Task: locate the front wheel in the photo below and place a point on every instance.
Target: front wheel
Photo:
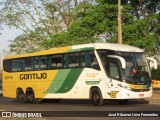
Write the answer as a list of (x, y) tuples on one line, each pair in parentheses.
[(31, 97), (97, 97)]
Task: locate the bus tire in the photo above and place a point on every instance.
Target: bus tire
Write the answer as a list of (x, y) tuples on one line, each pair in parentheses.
[(97, 97), (30, 96), (21, 96)]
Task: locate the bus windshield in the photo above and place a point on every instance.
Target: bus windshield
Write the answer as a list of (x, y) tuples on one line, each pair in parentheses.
[(137, 70)]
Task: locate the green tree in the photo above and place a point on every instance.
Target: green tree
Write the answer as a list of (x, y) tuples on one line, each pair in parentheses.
[(94, 20), (25, 43), (58, 23), (140, 20), (90, 21), (38, 19), (142, 30)]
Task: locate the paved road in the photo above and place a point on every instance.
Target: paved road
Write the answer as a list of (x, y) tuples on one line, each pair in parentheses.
[(79, 105)]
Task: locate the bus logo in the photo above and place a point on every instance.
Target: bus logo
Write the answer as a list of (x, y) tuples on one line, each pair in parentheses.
[(113, 94)]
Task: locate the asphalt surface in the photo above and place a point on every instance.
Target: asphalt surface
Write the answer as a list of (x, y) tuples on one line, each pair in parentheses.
[(77, 109)]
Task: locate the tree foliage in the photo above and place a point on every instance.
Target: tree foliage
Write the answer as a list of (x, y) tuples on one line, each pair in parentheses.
[(38, 19), (54, 23), (143, 30), (140, 22)]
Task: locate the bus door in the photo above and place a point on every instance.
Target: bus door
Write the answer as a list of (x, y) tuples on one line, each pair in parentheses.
[(113, 71)]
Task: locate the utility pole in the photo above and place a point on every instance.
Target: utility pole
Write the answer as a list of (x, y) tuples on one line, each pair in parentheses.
[(119, 23)]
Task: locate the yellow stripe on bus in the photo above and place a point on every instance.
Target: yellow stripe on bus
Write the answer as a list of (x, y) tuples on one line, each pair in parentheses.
[(50, 51)]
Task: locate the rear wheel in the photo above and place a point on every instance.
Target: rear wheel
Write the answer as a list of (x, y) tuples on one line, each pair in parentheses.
[(21, 96), (31, 97), (97, 97)]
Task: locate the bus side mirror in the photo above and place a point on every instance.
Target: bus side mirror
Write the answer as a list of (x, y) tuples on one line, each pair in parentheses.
[(122, 60), (152, 63)]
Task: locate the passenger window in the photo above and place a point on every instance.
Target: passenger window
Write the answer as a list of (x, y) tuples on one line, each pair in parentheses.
[(43, 63), (56, 62), (82, 59), (59, 61), (88, 59), (28, 64), (15, 65), (19, 64), (36, 63), (73, 60), (12, 65), (52, 62), (22, 64), (7, 65)]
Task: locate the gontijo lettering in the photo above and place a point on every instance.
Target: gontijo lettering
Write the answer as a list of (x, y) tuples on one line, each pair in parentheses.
[(33, 76)]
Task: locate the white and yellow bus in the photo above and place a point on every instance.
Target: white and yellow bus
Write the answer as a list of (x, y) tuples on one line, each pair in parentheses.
[(98, 71)]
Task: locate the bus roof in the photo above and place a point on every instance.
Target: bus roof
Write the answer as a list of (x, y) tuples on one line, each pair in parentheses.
[(108, 46)]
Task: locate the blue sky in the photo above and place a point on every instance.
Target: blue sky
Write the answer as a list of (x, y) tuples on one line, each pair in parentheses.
[(7, 34)]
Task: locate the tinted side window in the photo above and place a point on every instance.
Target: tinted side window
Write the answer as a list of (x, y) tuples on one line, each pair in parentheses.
[(28, 64), (12, 65), (22, 64), (52, 62), (82, 59), (36, 63), (56, 62), (7, 65), (44, 62), (88, 59), (72, 60)]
